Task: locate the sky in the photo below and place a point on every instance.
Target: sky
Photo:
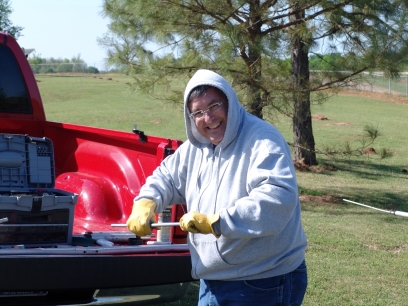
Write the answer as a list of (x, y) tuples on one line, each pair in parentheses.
[(61, 28)]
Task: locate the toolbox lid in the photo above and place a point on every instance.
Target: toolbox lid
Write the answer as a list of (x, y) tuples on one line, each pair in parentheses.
[(26, 162)]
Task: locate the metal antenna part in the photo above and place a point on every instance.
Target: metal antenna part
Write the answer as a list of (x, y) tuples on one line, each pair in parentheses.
[(394, 212)]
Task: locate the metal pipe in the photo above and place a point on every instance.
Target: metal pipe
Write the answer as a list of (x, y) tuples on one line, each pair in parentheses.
[(394, 212), (165, 224)]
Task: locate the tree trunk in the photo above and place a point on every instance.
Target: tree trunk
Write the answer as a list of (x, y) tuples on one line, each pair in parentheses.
[(254, 62), (303, 140)]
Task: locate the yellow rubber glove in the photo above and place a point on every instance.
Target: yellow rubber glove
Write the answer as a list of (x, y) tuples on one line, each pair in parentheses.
[(195, 222), (141, 217)]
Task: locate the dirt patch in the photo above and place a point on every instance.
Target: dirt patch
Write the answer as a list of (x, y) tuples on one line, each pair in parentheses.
[(322, 117), (322, 168), (399, 248), (302, 166), (397, 98), (156, 121), (338, 124), (369, 151), (395, 250), (319, 117), (327, 199)]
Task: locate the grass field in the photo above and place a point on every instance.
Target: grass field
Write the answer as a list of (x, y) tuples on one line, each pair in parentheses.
[(355, 256), (106, 101)]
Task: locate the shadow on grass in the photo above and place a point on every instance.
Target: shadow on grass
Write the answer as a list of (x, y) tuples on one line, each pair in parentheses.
[(366, 169), (382, 196), (389, 201), (349, 210)]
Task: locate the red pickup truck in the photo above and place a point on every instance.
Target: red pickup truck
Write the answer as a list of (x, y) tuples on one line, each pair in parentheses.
[(102, 171)]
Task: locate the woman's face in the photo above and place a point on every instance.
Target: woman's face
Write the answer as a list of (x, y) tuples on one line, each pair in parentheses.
[(212, 124)]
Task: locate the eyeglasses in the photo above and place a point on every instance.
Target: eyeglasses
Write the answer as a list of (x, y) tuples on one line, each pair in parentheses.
[(211, 110)]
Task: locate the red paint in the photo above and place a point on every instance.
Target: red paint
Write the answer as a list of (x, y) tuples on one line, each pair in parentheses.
[(106, 168)]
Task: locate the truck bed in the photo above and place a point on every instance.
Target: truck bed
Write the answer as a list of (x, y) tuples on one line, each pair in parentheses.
[(106, 169)]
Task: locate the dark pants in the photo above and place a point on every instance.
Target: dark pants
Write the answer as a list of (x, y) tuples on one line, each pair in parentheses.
[(283, 290)]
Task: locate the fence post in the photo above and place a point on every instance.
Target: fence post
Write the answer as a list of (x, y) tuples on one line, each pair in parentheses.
[(389, 85)]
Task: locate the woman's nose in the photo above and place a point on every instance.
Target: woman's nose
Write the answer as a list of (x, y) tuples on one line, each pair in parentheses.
[(208, 116)]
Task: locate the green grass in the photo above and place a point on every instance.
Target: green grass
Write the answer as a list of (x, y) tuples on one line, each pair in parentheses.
[(98, 101), (367, 178), (355, 256)]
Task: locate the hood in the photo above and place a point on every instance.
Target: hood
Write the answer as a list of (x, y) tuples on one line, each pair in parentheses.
[(235, 110)]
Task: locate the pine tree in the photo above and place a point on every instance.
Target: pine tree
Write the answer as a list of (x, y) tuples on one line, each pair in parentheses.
[(262, 47)]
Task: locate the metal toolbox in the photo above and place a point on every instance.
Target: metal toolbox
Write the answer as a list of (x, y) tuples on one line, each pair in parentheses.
[(32, 211)]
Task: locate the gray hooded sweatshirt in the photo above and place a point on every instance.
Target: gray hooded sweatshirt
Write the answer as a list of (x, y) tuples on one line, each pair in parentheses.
[(249, 179)]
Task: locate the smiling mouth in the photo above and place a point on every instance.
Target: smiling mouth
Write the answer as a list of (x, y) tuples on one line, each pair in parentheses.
[(214, 127)]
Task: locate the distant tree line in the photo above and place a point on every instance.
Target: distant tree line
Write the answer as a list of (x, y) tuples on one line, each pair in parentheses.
[(52, 65)]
